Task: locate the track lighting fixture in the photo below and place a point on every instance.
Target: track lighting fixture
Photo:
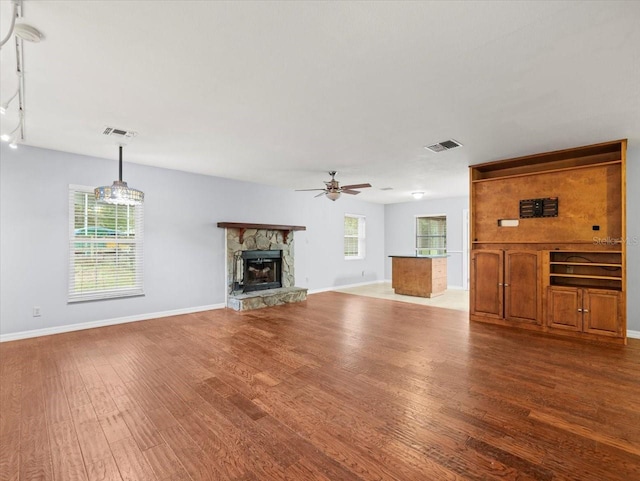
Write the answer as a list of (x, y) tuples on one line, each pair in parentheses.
[(14, 14), (5, 105), (20, 32), (10, 137), (27, 32)]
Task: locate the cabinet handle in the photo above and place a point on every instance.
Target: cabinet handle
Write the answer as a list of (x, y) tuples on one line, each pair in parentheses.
[(579, 310), (499, 283), (585, 310), (506, 285)]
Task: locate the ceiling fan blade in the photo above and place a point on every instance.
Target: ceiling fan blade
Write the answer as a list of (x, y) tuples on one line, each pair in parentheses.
[(348, 191), (355, 186), (319, 195), (307, 190)]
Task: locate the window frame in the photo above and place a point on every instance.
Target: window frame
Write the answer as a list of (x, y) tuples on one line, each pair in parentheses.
[(361, 236), (441, 251), (136, 245)]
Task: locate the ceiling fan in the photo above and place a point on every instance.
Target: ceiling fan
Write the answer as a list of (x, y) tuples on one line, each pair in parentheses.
[(333, 190)]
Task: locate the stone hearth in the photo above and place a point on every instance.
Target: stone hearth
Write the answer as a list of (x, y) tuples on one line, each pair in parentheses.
[(267, 237), (270, 297)]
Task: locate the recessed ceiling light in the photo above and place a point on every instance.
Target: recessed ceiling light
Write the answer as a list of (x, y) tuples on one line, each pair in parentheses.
[(417, 195)]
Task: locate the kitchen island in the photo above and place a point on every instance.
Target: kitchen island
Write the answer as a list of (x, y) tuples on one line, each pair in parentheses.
[(424, 276)]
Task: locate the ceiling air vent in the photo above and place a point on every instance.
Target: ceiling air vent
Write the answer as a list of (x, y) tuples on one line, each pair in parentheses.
[(386, 188), (444, 145), (112, 131)]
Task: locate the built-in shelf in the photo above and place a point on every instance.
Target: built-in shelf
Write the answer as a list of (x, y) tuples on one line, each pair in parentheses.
[(590, 156), (537, 242), (595, 269), (243, 226), (582, 276), (563, 169), (584, 264)]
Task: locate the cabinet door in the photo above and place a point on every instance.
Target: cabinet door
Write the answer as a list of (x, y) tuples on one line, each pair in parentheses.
[(521, 292), (602, 312), (564, 309), (486, 283)]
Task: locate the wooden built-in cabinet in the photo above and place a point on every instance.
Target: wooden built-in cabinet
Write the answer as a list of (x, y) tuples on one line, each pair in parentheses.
[(506, 285), (595, 311), (562, 269), (584, 292)]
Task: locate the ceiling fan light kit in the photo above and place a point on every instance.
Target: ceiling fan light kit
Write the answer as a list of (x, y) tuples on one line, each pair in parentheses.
[(332, 189), (333, 195)]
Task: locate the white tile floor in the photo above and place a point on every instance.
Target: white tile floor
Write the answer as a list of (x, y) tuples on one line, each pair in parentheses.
[(451, 299)]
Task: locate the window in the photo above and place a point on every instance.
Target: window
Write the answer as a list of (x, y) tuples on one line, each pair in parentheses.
[(105, 248), (353, 236), (431, 235)]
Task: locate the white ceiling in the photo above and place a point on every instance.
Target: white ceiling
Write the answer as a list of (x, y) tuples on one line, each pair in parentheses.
[(281, 92)]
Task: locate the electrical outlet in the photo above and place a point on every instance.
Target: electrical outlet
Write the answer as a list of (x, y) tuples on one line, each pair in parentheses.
[(36, 311), (362, 273)]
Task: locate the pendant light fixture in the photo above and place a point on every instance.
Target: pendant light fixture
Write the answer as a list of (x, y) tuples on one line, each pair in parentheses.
[(119, 193)]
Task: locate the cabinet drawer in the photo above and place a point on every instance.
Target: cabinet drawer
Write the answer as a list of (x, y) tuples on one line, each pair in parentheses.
[(439, 271), (439, 285)]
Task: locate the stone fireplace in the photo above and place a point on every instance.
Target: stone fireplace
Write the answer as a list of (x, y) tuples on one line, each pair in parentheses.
[(260, 265)]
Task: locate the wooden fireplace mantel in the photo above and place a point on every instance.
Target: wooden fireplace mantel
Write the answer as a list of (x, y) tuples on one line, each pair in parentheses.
[(244, 226)]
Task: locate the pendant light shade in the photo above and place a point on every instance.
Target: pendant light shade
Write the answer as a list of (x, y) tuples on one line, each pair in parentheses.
[(119, 193)]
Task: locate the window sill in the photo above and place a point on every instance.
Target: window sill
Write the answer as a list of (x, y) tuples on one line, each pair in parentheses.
[(105, 297)]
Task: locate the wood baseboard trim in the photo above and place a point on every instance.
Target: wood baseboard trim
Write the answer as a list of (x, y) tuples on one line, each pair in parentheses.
[(48, 331)]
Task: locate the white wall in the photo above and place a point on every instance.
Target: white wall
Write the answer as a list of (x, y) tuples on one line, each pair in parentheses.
[(184, 249), (400, 232)]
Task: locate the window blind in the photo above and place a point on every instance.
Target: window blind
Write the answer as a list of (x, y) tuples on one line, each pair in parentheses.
[(105, 248), (354, 236), (431, 235)]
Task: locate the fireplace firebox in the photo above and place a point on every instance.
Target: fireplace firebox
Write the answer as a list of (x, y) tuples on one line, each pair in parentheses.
[(262, 270)]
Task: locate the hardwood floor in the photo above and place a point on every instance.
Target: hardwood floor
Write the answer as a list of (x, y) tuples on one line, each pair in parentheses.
[(339, 387)]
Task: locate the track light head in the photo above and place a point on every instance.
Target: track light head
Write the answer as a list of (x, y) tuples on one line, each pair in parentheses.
[(27, 32)]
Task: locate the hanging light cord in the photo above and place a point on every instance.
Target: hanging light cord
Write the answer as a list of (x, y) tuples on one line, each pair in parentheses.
[(17, 126), (5, 105), (13, 24)]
